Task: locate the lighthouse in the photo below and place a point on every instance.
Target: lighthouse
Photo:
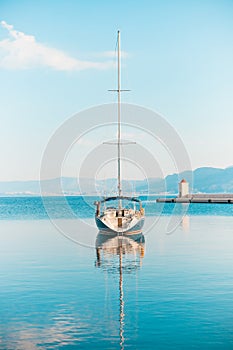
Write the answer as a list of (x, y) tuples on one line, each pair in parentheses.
[(183, 188)]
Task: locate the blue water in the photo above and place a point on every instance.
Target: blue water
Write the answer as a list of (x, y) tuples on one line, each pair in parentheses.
[(83, 207), (169, 291)]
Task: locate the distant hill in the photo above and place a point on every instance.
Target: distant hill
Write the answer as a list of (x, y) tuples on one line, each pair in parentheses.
[(205, 180), (213, 180)]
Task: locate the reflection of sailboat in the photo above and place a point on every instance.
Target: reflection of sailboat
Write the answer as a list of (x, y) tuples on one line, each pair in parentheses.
[(112, 245), (119, 218)]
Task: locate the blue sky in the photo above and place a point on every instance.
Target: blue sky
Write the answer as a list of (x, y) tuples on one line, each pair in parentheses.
[(179, 63)]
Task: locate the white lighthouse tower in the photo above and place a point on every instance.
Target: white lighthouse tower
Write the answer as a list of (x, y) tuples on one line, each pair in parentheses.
[(183, 188)]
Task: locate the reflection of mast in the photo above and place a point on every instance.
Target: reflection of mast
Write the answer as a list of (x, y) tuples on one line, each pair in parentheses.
[(121, 301), (108, 246)]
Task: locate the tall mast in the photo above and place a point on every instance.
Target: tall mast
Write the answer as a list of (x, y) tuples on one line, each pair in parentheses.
[(119, 117)]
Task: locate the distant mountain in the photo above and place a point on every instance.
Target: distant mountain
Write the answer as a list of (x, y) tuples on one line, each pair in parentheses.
[(205, 180), (213, 180)]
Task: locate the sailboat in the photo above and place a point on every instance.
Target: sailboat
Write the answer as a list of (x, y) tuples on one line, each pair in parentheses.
[(124, 214)]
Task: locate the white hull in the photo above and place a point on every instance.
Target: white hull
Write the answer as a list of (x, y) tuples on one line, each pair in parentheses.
[(130, 223)]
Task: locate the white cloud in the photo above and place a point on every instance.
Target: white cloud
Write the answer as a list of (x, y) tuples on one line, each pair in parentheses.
[(22, 51)]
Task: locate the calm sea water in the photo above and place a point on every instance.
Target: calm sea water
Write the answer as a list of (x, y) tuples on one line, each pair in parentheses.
[(164, 291)]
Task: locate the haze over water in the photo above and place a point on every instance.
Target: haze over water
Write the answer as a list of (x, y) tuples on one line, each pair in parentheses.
[(159, 291)]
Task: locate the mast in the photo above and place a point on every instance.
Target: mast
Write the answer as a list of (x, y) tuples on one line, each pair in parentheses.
[(119, 90), (119, 116)]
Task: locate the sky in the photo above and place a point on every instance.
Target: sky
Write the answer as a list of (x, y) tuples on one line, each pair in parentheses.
[(57, 59)]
